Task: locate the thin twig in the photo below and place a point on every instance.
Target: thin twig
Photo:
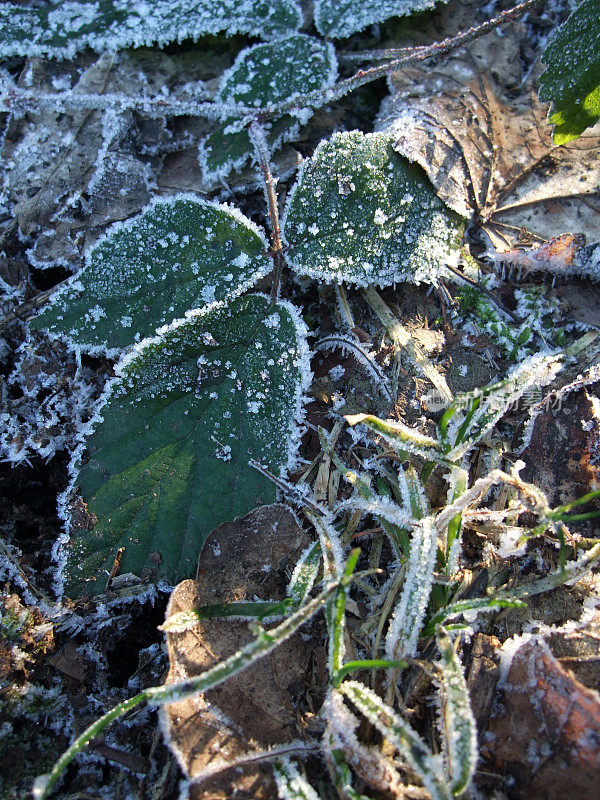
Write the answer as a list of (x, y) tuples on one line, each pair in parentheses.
[(320, 97), (483, 290), (24, 309), (261, 148), (294, 493)]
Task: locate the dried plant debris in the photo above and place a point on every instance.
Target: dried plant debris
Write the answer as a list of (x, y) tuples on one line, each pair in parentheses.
[(489, 153), (85, 141), (46, 399), (267, 706), (51, 157), (546, 729)]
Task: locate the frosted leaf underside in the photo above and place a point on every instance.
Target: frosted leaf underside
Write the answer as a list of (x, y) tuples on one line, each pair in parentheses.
[(267, 73), (169, 460), (180, 253), (60, 29), (340, 18), (361, 213), (572, 76)]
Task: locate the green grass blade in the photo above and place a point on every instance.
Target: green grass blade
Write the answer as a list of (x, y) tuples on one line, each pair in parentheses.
[(291, 785), (401, 437), (412, 748), (461, 606), (260, 609), (405, 626), (304, 575), (367, 663), (459, 732)]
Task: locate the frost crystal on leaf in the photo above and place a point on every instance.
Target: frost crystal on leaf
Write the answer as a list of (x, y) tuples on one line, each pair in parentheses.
[(62, 29), (261, 76), (361, 213), (153, 473), (340, 18), (178, 254)]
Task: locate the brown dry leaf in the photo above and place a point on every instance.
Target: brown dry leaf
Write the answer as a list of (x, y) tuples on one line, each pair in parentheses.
[(49, 153), (483, 676), (545, 736), (71, 171), (487, 148), (562, 456), (242, 560), (579, 651)]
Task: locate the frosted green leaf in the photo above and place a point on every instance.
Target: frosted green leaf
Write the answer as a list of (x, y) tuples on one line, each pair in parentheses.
[(571, 80), (168, 460), (260, 76), (179, 253), (61, 29), (339, 18), (361, 213)]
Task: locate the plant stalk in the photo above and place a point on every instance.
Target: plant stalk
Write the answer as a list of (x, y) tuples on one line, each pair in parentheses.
[(261, 148)]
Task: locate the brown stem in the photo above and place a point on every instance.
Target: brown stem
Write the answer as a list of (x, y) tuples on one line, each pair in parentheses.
[(259, 140), (414, 55)]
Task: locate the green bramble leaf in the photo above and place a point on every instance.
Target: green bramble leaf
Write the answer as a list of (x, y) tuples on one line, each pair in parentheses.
[(61, 29), (571, 80), (179, 253), (340, 18), (263, 75), (361, 213), (168, 461)]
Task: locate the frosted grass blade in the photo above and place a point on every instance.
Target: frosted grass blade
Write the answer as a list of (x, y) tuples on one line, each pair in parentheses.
[(412, 748), (458, 724)]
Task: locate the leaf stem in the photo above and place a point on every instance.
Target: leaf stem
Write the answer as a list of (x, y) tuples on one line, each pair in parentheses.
[(261, 148), (320, 97)]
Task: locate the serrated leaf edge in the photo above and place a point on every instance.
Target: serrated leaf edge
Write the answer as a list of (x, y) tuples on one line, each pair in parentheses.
[(127, 225), (59, 550), (109, 41), (307, 271)]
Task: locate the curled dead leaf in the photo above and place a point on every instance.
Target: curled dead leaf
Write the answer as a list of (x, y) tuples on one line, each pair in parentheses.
[(489, 152)]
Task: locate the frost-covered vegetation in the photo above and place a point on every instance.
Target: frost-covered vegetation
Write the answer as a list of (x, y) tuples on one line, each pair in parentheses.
[(183, 341)]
